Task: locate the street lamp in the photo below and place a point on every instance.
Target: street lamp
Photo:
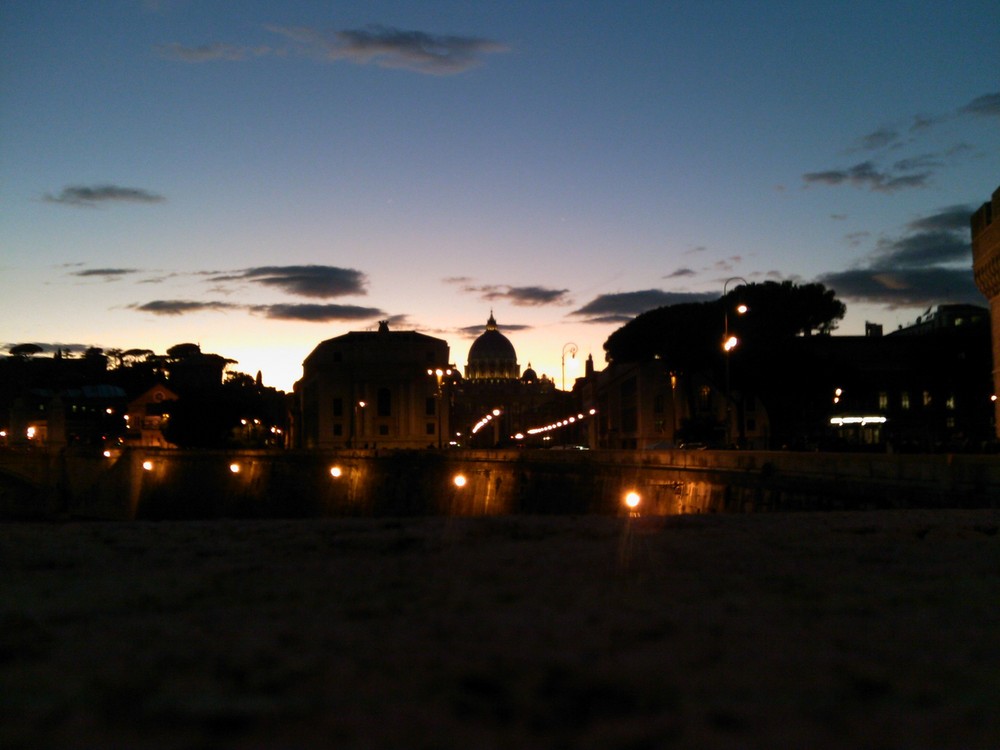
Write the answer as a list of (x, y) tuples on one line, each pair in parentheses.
[(357, 423), (728, 344), (438, 373), (572, 349)]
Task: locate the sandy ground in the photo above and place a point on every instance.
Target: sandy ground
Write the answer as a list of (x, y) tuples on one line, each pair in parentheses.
[(861, 630)]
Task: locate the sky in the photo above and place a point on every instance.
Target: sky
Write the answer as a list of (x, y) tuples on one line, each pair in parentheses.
[(258, 177)]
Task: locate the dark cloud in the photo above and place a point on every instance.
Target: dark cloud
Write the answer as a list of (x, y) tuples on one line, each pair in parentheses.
[(108, 274), (82, 195), (622, 306), (913, 163), (913, 287), (987, 105), (879, 139), (522, 296), (476, 330), (387, 47), (318, 313), (209, 52), (182, 307), (305, 281), (680, 273), (867, 175), (930, 264)]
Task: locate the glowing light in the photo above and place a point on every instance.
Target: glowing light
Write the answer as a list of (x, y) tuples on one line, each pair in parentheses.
[(863, 421), (742, 309), (632, 499), (460, 480), (519, 436), (31, 433), (496, 412), (147, 465), (335, 471), (235, 468), (730, 343), (107, 454), (109, 410)]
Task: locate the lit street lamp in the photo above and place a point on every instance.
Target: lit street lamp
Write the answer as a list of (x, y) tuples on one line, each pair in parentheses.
[(438, 374), (728, 344), (572, 349)]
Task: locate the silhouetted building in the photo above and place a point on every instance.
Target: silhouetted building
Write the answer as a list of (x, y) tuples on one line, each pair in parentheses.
[(495, 402), (986, 268), (374, 389)]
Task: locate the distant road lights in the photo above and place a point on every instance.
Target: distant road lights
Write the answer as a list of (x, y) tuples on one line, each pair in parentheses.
[(730, 343), (336, 472), (837, 394), (147, 465), (632, 499), (460, 480), (235, 468), (107, 454)]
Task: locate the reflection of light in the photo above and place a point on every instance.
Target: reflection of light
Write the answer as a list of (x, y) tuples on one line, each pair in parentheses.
[(335, 471), (147, 465), (840, 421), (459, 480), (235, 468), (632, 499)]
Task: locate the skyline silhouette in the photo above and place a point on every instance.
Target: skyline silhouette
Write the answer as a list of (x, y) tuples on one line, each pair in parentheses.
[(260, 179)]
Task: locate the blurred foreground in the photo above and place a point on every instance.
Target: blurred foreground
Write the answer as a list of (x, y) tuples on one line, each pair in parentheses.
[(869, 629)]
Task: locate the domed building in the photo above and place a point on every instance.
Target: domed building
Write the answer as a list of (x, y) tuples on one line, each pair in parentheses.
[(492, 357)]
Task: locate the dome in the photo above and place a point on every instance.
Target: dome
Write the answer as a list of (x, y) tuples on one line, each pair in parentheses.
[(492, 356), (529, 375)]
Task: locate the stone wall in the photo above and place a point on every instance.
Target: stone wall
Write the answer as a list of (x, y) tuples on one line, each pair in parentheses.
[(165, 484)]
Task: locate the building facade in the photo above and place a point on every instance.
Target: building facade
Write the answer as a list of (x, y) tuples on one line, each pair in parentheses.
[(985, 225), (373, 389)]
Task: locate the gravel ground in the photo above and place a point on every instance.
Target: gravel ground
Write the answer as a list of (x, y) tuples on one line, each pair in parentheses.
[(836, 630)]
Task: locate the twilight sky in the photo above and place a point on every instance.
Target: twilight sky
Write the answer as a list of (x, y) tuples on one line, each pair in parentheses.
[(257, 177)]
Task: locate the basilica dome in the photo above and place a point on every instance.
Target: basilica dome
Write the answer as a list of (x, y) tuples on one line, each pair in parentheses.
[(492, 356)]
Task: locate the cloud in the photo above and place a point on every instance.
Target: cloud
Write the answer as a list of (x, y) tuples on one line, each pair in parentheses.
[(209, 52), (305, 281), (182, 307), (623, 306), (81, 195), (879, 139), (108, 274), (522, 296), (418, 51), (929, 264), (680, 273), (317, 313), (476, 330), (866, 174), (987, 105)]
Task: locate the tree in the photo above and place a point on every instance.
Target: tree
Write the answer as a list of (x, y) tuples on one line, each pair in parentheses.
[(690, 334), (25, 350)]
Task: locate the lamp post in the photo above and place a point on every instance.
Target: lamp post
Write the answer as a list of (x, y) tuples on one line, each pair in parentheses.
[(572, 349), (357, 422), (438, 373), (728, 344)]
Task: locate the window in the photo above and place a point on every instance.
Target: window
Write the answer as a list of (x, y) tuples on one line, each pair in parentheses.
[(927, 398), (659, 404), (383, 429), (950, 403), (384, 402), (904, 399), (430, 428), (338, 429), (338, 407), (430, 408), (704, 398), (883, 400)]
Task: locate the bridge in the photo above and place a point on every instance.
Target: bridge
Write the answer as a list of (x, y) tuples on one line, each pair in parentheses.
[(151, 483)]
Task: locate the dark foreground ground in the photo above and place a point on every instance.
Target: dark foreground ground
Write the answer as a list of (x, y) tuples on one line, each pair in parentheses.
[(864, 630)]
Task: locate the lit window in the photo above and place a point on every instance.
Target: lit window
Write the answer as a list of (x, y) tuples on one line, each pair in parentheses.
[(949, 404), (927, 398), (904, 399), (883, 400)]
